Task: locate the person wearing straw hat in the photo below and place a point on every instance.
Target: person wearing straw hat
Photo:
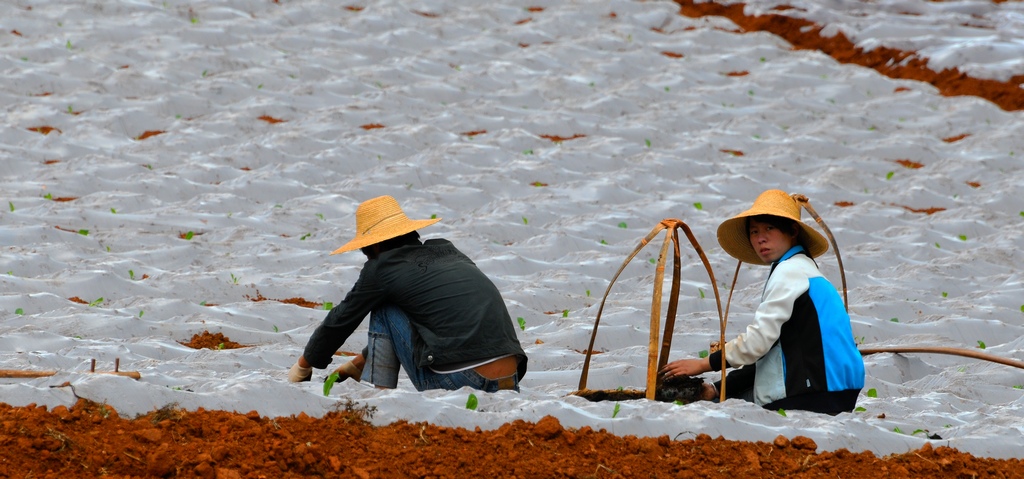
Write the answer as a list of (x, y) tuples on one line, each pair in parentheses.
[(432, 312), (799, 352)]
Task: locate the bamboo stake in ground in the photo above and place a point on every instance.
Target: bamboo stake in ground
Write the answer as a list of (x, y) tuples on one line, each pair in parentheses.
[(23, 374)]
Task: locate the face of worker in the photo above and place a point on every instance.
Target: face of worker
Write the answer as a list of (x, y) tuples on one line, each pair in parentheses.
[(769, 242)]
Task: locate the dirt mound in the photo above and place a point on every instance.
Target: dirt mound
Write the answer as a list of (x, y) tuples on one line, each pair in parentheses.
[(207, 340), (91, 440)]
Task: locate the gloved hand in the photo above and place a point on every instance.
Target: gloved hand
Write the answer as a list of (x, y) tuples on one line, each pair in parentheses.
[(299, 374)]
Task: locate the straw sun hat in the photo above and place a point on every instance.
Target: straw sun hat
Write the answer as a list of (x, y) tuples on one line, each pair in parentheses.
[(735, 239), (380, 219)]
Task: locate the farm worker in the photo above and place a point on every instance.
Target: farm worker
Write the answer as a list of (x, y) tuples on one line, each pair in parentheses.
[(431, 309), (799, 352)]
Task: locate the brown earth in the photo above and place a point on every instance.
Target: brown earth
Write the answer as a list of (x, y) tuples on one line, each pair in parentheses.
[(91, 440)]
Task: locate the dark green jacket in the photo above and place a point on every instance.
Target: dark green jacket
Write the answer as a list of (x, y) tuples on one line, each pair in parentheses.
[(457, 313)]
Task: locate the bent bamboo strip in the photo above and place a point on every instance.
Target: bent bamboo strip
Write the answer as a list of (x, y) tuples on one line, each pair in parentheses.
[(806, 203), (967, 353), (21, 374)]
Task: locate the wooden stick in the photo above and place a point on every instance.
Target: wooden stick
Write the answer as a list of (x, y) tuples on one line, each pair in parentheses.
[(967, 353), (19, 373)]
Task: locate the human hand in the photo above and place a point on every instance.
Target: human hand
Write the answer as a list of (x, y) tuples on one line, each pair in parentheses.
[(299, 374), (685, 367)]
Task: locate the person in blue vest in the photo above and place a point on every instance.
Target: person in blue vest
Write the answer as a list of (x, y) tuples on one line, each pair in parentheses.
[(432, 312), (799, 352)]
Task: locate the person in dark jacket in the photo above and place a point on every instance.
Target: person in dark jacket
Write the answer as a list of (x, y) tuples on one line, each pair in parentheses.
[(799, 352), (432, 312)]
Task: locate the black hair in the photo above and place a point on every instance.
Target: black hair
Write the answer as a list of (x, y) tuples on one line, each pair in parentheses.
[(781, 223), (410, 238)]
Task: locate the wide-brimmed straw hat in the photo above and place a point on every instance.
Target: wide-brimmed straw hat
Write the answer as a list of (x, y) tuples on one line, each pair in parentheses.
[(735, 238), (380, 219)]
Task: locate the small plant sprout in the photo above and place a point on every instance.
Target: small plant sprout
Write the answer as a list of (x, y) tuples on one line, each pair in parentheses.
[(981, 344), (895, 320), (937, 245), (527, 152), (329, 383), (68, 45), (888, 175), (96, 302), (522, 323), (588, 293), (433, 216), (275, 328), (525, 221), (919, 430), (872, 393), (647, 142), (565, 313), (859, 409), (615, 411), (1019, 386), (472, 402), (141, 312), (303, 237), (963, 237), (131, 275), (897, 430), (113, 210), (328, 306), (321, 216), (945, 294), (11, 204), (698, 206), (604, 242), (622, 225), (220, 346), (703, 353), (234, 279), (652, 261), (701, 292), (19, 311), (782, 412), (189, 235)]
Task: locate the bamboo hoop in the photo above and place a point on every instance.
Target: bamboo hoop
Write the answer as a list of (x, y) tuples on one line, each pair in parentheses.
[(656, 360)]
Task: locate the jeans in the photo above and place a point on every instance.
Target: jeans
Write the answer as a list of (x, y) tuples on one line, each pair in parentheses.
[(390, 345)]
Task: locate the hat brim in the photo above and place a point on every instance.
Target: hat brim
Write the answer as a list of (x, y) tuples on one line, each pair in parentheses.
[(384, 233), (735, 239)]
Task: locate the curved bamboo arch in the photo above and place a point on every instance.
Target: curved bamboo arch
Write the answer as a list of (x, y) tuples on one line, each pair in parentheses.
[(655, 358)]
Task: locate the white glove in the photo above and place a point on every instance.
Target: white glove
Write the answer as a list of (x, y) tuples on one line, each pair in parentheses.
[(298, 373)]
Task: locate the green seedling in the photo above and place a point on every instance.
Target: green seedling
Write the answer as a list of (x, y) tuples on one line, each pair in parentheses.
[(204, 74), (11, 204), (1021, 214), (588, 293), (872, 128), (328, 305), (472, 402), (329, 383), (652, 260), (615, 412), (1022, 308), (623, 225), (605, 242), (433, 216), (527, 152), (141, 313), (895, 320), (303, 237), (522, 323), (525, 221), (321, 216), (113, 211), (1019, 386), (750, 92), (782, 412), (620, 389), (703, 353), (888, 175), (234, 279), (698, 206), (937, 245), (945, 294), (97, 301), (68, 45), (859, 409), (701, 291), (131, 275), (963, 237), (647, 142), (981, 344), (872, 393), (919, 430), (189, 235), (202, 303), (897, 430), (565, 313), (220, 346), (48, 196), (275, 328), (666, 89), (259, 87), (19, 311)]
